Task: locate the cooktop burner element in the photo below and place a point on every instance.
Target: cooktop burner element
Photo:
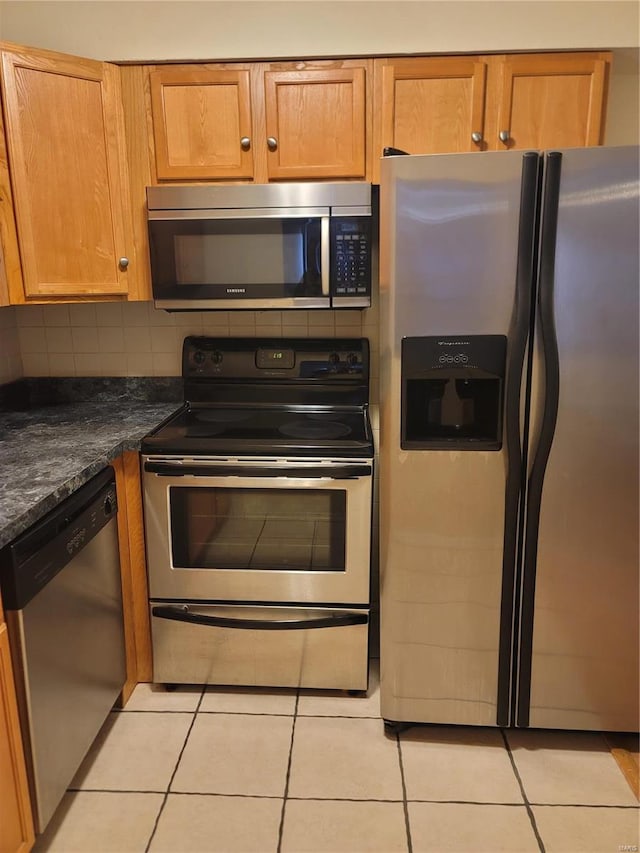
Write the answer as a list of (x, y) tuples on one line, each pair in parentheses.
[(268, 397)]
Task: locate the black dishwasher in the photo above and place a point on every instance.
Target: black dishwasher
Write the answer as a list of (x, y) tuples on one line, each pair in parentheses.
[(63, 604)]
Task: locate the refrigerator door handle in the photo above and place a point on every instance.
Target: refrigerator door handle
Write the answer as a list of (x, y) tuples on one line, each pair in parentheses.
[(525, 273), (549, 341)]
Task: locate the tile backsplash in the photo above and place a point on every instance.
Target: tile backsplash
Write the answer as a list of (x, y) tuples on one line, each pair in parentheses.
[(136, 339), (10, 360)]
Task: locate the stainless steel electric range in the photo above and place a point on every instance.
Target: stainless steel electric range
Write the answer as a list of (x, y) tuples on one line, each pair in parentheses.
[(258, 501)]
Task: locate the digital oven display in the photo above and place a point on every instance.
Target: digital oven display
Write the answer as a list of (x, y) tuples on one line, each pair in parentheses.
[(278, 358)]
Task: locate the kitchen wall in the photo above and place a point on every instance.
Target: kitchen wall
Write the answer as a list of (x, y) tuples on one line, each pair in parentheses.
[(179, 29), (136, 30), (115, 339), (139, 30), (623, 108)]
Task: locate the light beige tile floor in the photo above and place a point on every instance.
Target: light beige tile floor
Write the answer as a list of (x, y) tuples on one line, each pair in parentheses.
[(240, 771)]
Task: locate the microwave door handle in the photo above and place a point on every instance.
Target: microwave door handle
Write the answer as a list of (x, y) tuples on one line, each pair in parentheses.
[(333, 620), (324, 254)]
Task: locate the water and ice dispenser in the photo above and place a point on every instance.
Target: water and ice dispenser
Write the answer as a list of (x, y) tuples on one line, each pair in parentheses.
[(452, 392)]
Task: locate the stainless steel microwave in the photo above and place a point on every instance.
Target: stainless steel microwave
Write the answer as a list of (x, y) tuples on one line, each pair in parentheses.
[(262, 246)]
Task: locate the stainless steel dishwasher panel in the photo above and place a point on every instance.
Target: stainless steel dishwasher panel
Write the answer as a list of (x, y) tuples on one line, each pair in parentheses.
[(68, 650)]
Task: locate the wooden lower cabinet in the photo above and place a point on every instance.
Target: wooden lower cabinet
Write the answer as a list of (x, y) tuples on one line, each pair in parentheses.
[(133, 569), (16, 822)]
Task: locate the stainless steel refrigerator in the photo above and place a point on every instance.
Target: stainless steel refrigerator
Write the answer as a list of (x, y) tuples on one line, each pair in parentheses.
[(509, 439)]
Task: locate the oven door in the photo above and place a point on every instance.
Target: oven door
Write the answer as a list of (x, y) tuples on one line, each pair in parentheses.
[(258, 530), (246, 258)]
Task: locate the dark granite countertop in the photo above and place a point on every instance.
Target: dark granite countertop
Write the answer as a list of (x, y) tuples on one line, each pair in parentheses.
[(48, 450)]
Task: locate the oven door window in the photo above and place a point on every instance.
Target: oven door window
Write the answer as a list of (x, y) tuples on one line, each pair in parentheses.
[(260, 529), (227, 258)]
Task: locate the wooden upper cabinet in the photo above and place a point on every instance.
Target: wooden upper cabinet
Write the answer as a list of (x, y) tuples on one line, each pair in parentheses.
[(16, 822), (202, 124), (433, 105), (316, 123), (260, 121), (429, 105), (549, 100), (67, 163)]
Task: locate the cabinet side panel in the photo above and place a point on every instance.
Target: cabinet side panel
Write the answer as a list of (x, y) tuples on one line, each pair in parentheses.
[(16, 823)]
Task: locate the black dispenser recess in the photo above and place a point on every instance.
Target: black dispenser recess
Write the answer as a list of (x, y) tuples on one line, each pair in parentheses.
[(452, 392)]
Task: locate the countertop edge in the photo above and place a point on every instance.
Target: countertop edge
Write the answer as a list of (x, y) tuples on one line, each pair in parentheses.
[(48, 455), (38, 510)]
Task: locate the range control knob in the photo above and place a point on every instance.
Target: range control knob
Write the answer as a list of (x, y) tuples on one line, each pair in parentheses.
[(352, 359), (334, 358), (216, 356), (108, 507), (199, 356)]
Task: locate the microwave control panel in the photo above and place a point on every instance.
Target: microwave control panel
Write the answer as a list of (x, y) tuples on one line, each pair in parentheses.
[(351, 257)]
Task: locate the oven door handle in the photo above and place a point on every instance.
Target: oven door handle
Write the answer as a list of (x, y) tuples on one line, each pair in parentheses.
[(337, 472), (183, 614)]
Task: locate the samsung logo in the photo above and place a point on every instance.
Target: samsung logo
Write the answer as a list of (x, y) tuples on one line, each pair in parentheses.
[(236, 289)]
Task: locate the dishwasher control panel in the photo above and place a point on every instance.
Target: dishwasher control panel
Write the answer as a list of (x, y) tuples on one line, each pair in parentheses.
[(32, 560)]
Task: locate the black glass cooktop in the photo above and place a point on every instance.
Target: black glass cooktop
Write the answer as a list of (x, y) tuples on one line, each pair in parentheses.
[(270, 397), (212, 430)]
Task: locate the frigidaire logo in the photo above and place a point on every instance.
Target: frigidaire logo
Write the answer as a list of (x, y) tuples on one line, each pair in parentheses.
[(236, 290), (453, 343)]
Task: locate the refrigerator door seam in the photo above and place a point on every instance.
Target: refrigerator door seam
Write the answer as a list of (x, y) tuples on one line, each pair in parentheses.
[(513, 428), (548, 239)]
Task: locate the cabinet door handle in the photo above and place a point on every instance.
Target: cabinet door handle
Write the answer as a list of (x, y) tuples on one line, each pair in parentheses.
[(124, 263), (272, 143), (476, 137), (245, 143), (504, 135)]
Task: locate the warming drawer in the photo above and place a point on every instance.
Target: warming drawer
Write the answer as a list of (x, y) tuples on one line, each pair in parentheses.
[(221, 644)]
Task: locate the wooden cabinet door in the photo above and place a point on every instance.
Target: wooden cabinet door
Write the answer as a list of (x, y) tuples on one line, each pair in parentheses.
[(550, 101), (429, 105), (16, 823), (202, 124), (315, 123), (65, 135)]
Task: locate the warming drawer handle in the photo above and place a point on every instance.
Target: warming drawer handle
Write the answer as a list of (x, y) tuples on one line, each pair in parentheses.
[(337, 472), (337, 620)]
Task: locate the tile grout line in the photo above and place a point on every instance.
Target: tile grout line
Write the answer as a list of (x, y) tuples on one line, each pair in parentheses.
[(214, 794), (286, 782), (527, 804), (175, 769), (405, 804)]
